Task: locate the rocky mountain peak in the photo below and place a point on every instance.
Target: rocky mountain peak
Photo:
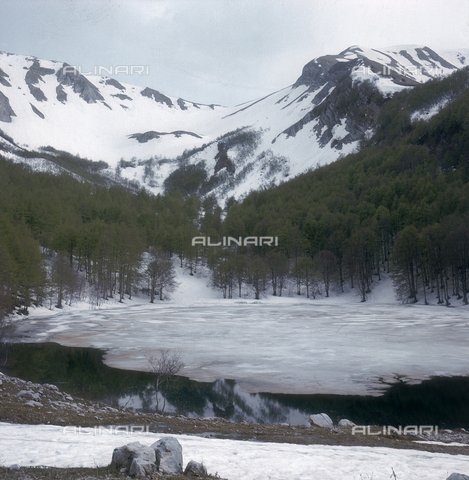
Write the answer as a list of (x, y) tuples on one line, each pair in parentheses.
[(70, 76)]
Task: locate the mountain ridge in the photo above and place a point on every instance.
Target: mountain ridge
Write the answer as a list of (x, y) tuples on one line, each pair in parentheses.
[(322, 116)]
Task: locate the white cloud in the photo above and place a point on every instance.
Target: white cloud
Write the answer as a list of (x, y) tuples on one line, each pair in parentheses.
[(222, 51), (151, 9)]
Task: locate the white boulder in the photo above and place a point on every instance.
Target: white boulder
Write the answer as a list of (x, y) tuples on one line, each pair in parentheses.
[(321, 420), (346, 423), (168, 455)]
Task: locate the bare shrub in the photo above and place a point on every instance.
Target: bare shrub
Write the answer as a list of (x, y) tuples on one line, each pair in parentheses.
[(164, 368)]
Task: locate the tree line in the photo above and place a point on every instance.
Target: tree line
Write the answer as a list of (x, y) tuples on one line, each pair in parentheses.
[(62, 239), (399, 206)]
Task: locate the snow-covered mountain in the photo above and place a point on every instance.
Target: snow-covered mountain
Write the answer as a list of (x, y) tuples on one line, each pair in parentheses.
[(145, 135)]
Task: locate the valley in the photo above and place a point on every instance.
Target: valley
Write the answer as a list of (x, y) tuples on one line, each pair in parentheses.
[(359, 170)]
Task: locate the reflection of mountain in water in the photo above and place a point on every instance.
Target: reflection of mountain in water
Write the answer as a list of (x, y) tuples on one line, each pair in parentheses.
[(440, 401), (240, 406), (81, 372), (223, 398)]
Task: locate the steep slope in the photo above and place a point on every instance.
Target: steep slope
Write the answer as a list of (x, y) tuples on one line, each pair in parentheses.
[(333, 104), (46, 103), (145, 135)]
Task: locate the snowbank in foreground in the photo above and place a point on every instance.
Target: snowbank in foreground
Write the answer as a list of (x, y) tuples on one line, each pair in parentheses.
[(48, 445)]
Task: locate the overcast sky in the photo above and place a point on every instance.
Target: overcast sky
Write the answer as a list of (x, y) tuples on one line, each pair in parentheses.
[(221, 51)]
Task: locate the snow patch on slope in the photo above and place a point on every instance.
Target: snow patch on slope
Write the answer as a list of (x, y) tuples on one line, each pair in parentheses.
[(429, 112), (124, 122)]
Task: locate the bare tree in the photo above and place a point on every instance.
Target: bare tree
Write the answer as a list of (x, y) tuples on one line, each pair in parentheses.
[(164, 368), (305, 274), (222, 265), (326, 264), (7, 332), (406, 259), (258, 271), (7, 283), (240, 271), (359, 254), (7, 288), (160, 273), (64, 281), (278, 271)]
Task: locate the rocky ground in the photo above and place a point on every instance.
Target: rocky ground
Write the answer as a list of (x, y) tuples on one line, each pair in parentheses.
[(30, 403)]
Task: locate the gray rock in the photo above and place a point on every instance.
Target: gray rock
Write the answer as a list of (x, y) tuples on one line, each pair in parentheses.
[(24, 393), (147, 136), (321, 420), (32, 403), (61, 94), (6, 111), (32, 78), (68, 76), (157, 96), (27, 393), (195, 469), (122, 457), (207, 435), (14, 467), (52, 387), (457, 476), (141, 468), (37, 93), (37, 112), (114, 83), (346, 423), (121, 96), (3, 79), (168, 455)]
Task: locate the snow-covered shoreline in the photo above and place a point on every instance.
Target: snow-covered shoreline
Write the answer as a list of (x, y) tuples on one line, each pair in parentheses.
[(278, 344), (197, 312), (257, 452)]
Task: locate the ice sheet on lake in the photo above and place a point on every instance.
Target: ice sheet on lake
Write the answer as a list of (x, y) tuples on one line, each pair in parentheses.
[(284, 347)]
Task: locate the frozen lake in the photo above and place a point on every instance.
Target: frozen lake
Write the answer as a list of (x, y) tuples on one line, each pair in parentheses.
[(278, 346)]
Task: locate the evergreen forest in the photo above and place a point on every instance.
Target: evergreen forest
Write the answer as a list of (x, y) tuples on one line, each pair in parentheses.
[(398, 207)]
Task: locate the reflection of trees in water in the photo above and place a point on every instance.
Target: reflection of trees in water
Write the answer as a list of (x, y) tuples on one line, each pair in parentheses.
[(4, 353), (148, 402), (164, 369), (222, 398), (81, 372), (440, 401), (230, 402), (76, 370)]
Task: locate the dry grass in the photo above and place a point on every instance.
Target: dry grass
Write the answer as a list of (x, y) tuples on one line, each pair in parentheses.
[(105, 473)]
